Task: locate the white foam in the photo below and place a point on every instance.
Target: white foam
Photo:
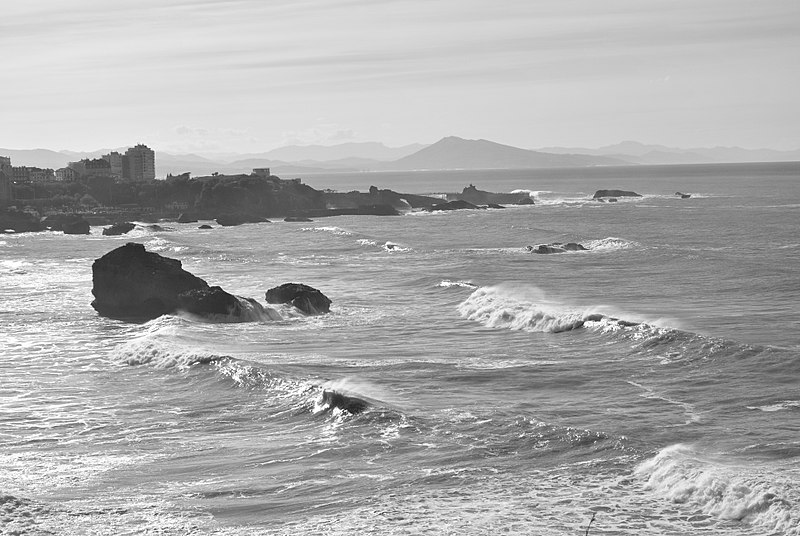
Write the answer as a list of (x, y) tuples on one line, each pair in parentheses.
[(338, 231), (720, 488), (610, 243), (506, 308), (779, 406), (462, 284)]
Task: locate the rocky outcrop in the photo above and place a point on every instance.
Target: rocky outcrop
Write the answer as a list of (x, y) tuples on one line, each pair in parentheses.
[(214, 301), (14, 221), (458, 204), (230, 220), (614, 193), (683, 195), (130, 282), (79, 226), (119, 229), (305, 298), (479, 197), (205, 226), (556, 247), (351, 404), (297, 219)]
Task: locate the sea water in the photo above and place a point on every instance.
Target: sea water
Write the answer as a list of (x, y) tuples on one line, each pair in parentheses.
[(649, 383)]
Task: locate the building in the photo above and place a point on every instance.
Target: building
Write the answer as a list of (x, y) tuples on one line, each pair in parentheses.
[(29, 174), (66, 174), (115, 160), (6, 176), (261, 172), (139, 163)]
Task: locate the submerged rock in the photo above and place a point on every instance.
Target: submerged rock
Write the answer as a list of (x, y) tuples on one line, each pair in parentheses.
[(119, 229), (297, 219), (307, 299), (230, 220), (682, 195), (557, 247), (205, 226), (130, 282), (615, 193)]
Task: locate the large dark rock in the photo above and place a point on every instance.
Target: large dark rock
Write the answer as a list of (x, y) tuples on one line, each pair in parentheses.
[(15, 221), (215, 301), (60, 222), (79, 226), (205, 226), (308, 299), (229, 220), (119, 229), (615, 193), (683, 195), (130, 282)]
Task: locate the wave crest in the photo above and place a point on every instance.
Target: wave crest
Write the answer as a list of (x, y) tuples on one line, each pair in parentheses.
[(725, 491)]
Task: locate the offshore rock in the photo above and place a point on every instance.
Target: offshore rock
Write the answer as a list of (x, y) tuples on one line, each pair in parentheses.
[(229, 220), (79, 226), (214, 301), (458, 204), (615, 193), (119, 229), (205, 226), (556, 247), (130, 282), (683, 195), (351, 404), (305, 298), (471, 194), (297, 219), (15, 221)]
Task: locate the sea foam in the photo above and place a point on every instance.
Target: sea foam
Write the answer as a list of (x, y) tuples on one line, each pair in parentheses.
[(720, 488)]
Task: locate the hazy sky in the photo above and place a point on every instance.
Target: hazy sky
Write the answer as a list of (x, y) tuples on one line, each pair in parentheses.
[(251, 75)]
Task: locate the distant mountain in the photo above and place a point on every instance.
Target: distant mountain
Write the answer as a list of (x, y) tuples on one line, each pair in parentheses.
[(659, 154), (457, 153), (42, 158), (325, 153)]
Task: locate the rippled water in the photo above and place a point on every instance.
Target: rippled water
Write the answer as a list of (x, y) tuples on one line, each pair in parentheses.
[(650, 381)]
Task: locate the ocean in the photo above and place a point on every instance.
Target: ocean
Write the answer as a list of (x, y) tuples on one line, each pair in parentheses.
[(648, 385)]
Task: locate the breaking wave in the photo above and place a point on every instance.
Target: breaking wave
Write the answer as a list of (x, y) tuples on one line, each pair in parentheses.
[(722, 488), (462, 284)]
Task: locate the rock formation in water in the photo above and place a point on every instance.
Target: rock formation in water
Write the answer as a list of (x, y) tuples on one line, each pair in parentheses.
[(615, 193), (479, 197), (305, 298), (229, 220), (119, 229), (76, 227), (130, 282), (214, 301), (458, 204), (683, 195), (351, 404), (556, 247), (15, 221)]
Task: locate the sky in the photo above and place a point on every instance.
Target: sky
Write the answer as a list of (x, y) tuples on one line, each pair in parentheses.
[(219, 76)]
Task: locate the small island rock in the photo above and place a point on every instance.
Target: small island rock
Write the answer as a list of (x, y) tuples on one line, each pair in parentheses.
[(307, 299), (118, 229), (615, 193)]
